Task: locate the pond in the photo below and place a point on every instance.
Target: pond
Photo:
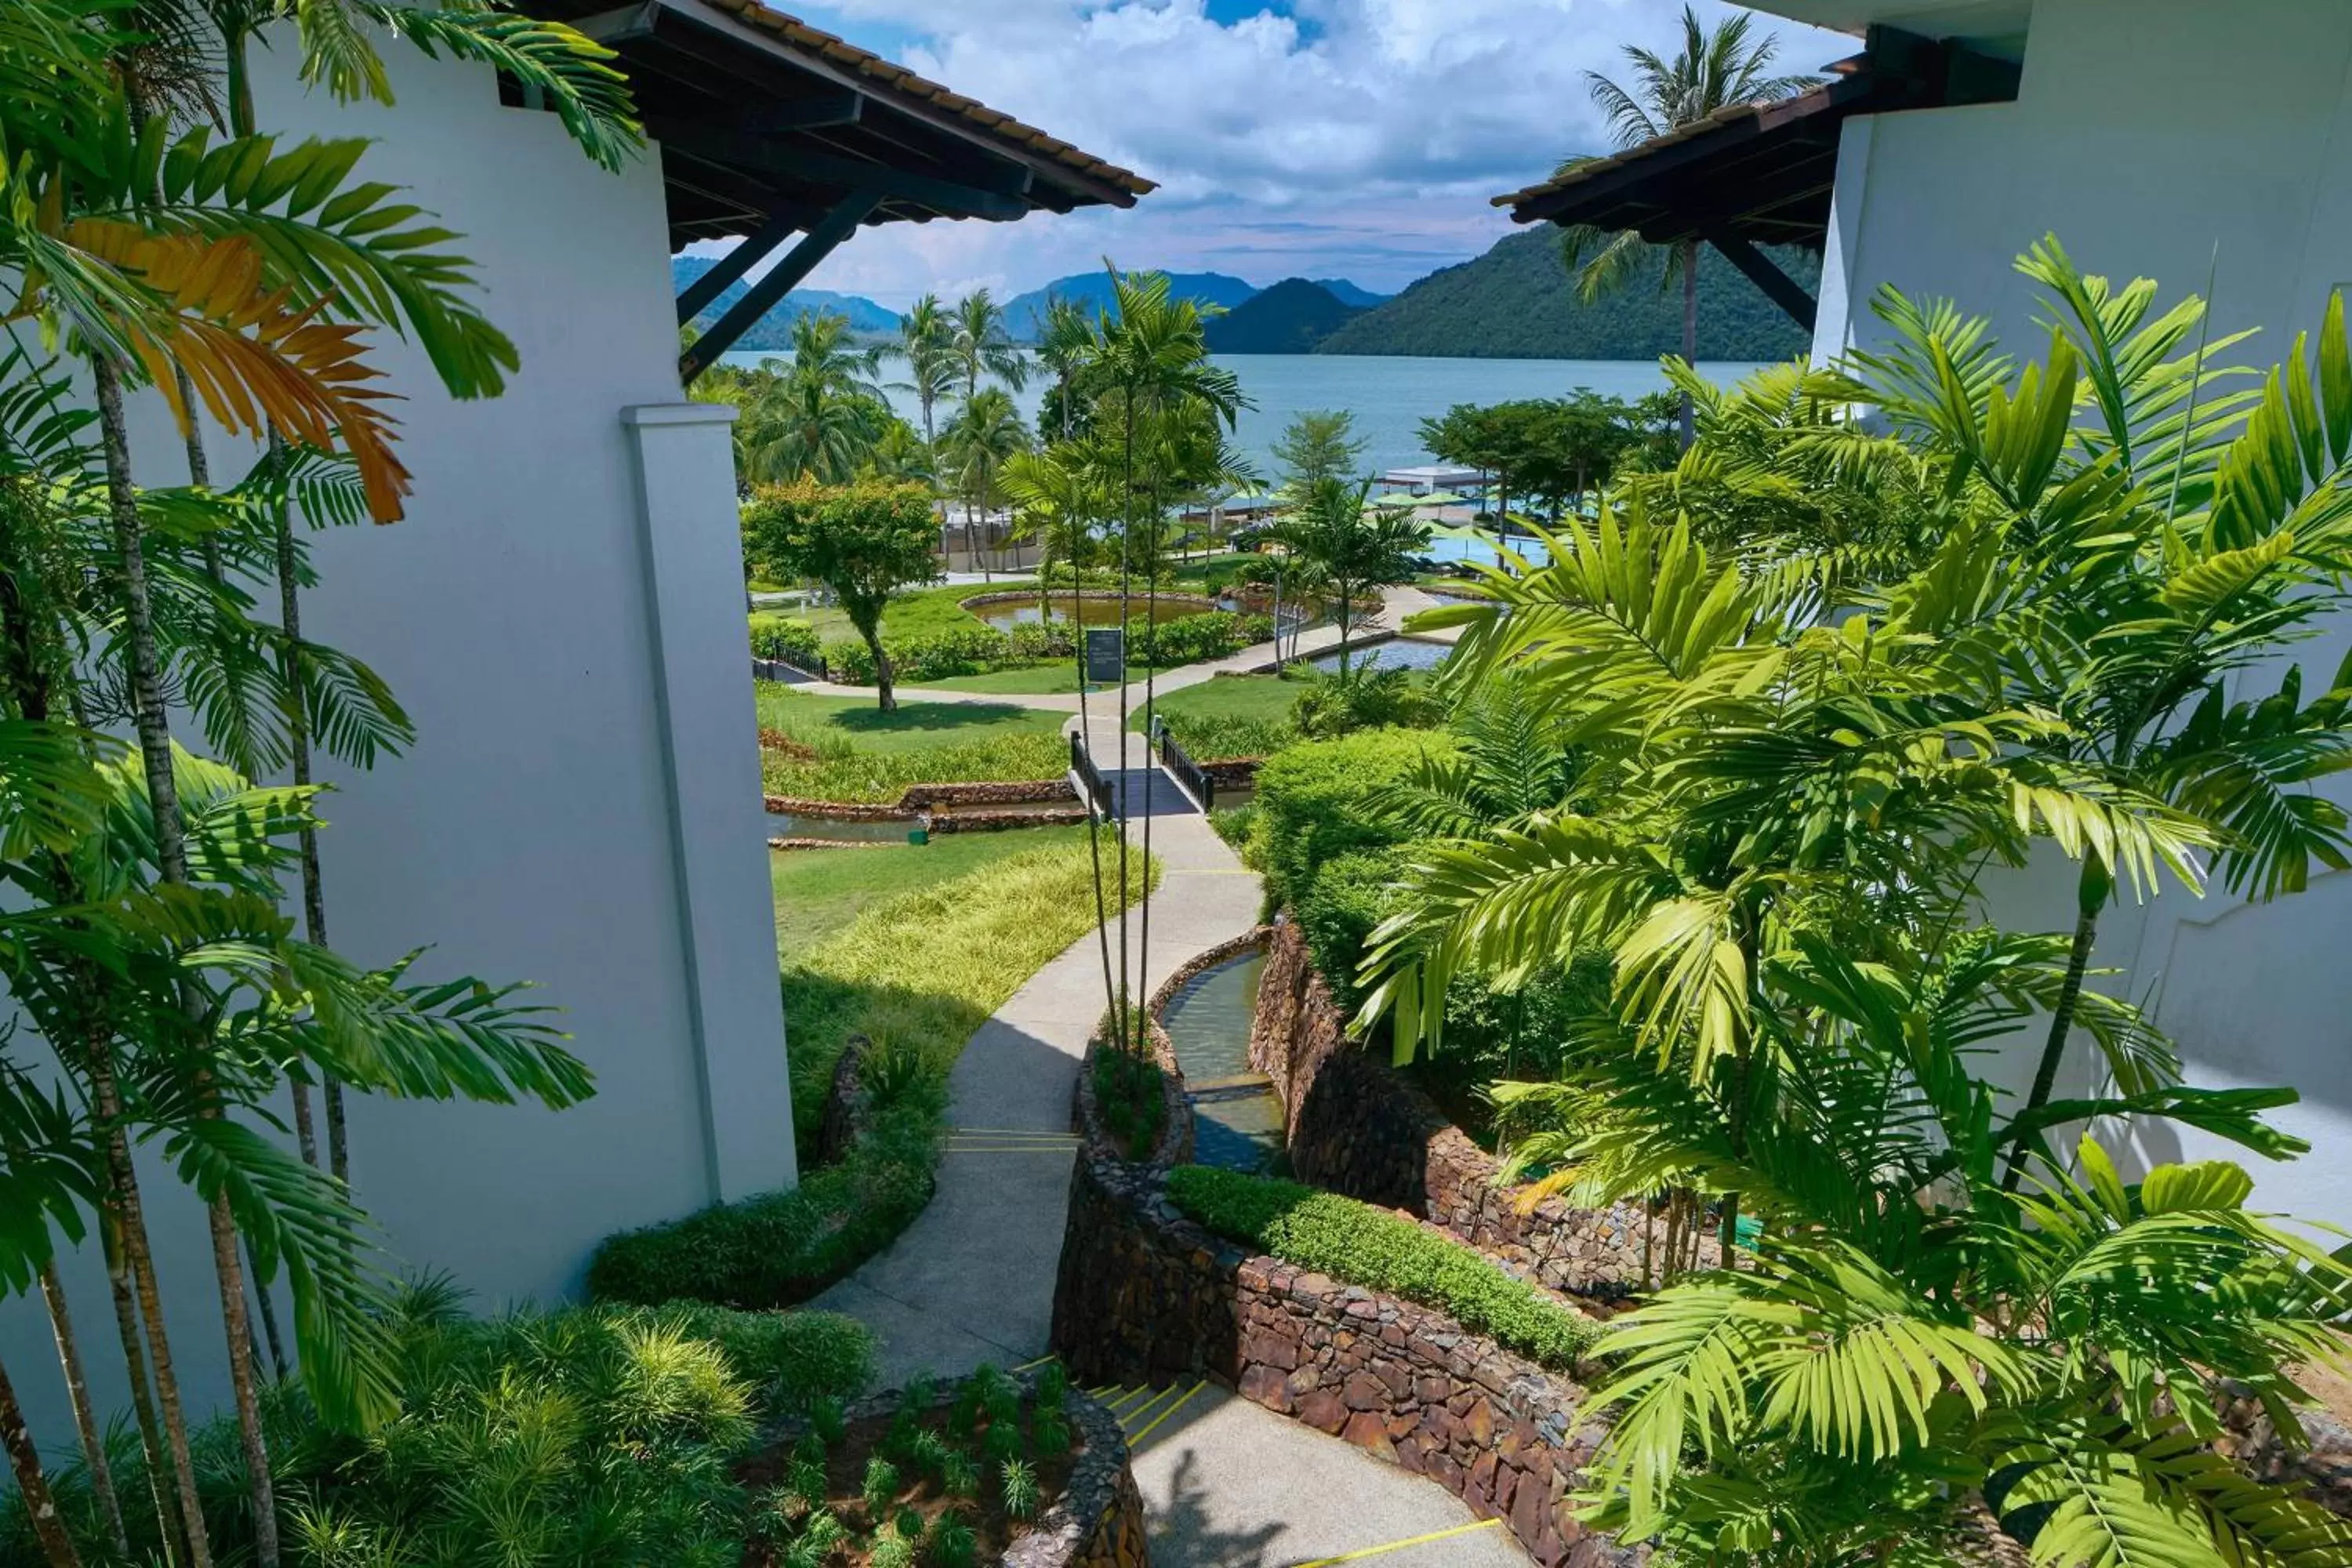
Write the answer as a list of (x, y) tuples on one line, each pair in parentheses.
[(1003, 618), (1236, 1121), (1398, 653)]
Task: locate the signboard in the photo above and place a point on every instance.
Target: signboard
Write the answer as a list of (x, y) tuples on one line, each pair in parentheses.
[(1106, 654)]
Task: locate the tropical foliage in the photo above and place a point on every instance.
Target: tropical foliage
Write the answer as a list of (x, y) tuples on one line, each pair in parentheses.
[(1783, 716), (145, 951), (863, 542)]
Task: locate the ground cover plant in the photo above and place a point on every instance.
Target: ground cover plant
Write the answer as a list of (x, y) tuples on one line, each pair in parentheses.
[(819, 893), (843, 749), (1379, 1249), (2062, 611), (1230, 715), (946, 1482), (914, 974), (586, 1435)]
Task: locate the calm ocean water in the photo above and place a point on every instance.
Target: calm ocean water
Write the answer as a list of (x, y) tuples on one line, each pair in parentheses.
[(1390, 397)]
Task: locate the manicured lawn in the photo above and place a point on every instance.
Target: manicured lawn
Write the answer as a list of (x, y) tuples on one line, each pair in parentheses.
[(1029, 680), (820, 891), (919, 970), (914, 727), (913, 613), (1230, 715)]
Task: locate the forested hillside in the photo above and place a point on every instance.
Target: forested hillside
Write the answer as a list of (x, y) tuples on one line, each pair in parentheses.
[(1289, 318), (1516, 302)]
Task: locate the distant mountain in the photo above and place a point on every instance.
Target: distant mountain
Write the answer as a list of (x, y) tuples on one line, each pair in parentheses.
[(1022, 312), (1516, 302), (774, 330), (1289, 318), (1348, 293)]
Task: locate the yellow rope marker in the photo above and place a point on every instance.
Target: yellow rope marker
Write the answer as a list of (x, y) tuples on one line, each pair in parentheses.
[(1138, 1412), (1123, 1398), (1133, 1438), (955, 1148), (1015, 1133), (1401, 1545), (1041, 1361)]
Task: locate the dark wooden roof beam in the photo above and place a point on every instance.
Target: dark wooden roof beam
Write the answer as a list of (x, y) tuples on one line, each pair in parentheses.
[(1778, 285), (731, 268), (622, 24), (792, 162), (781, 280)]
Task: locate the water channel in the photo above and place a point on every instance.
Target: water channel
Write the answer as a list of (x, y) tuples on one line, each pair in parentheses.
[(1236, 1121)]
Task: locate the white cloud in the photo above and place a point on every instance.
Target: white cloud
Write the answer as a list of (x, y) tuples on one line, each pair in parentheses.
[(1357, 137)]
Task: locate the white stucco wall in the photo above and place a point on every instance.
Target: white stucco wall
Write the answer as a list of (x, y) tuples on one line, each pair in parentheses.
[(561, 615), (2145, 134)]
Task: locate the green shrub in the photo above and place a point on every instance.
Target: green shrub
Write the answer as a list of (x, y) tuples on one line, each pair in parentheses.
[(503, 1444), (1367, 697), (1034, 642), (780, 1248), (1315, 801), (1349, 895), (782, 637), (849, 661), (1383, 1251), (1129, 1099)]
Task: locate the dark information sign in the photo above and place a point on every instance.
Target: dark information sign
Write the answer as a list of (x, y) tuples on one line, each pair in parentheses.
[(1106, 654)]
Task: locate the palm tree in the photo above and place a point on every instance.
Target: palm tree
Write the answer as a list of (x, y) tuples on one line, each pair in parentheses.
[(1058, 499), (822, 415), (1345, 549), (985, 434), (927, 342), (1065, 340), (981, 345), (1716, 70)]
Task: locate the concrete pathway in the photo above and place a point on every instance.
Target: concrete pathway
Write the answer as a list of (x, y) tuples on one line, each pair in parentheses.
[(1257, 658), (1229, 1484), (1225, 1483), (971, 1280)]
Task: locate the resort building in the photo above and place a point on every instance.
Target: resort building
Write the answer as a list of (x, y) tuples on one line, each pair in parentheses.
[(2169, 139), (562, 615)]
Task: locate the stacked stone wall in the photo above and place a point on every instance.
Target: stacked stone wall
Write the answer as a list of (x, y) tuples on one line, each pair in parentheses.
[(1145, 1295), (1357, 1126)]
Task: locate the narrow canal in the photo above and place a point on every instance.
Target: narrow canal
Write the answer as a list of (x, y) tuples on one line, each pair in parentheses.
[(1236, 1121)]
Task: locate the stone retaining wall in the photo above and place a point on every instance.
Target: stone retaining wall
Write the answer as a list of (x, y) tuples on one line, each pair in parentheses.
[(1356, 1126), (842, 1119), (1144, 1295), (1174, 1146), (924, 796), (1200, 964), (1003, 821), (835, 810)]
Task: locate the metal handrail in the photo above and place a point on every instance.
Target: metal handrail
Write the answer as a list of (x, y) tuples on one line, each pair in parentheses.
[(1191, 775), (1092, 787)]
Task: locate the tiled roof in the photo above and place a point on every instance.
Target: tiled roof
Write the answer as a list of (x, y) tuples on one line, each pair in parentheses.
[(895, 78), (1765, 113)]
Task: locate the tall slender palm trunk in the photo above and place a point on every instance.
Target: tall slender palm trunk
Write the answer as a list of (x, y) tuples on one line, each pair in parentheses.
[(153, 724), (32, 1484), (161, 1464), (93, 1443), (1690, 334)]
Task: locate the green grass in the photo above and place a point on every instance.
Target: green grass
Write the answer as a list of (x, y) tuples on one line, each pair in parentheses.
[(912, 612), (1029, 680), (1360, 1244), (1231, 715), (920, 972), (866, 754), (820, 891)]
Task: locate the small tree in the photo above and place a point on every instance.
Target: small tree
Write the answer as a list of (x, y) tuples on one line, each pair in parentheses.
[(863, 542), (1317, 445), (1347, 550)]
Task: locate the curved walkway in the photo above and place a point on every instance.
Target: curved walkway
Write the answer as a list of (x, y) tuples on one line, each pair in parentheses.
[(1226, 1484), (1257, 658)]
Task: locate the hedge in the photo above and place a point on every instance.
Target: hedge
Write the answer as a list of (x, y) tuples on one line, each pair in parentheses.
[(1315, 801), (1213, 634), (1360, 1244), (792, 641), (778, 1249), (1350, 895)]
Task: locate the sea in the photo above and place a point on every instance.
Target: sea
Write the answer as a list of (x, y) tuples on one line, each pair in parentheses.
[(1390, 397)]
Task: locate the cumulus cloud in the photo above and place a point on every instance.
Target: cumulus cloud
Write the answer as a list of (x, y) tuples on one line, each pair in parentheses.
[(1355, 138)]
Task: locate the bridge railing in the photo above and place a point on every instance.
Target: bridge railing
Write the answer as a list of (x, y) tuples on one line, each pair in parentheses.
[(1092, 787), (1194, 778)]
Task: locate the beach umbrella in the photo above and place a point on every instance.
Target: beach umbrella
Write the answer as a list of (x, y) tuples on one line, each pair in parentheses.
[(1445, 498), (1392, 501)]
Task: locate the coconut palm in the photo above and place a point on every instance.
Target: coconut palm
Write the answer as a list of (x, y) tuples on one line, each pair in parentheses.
[(984, 435), (927, 342), (1065, 340), (1715, 69), (1059, 500), (981, 345)]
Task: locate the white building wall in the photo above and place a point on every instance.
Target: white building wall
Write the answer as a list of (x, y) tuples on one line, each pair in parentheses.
[(2171, 139), (561, 615)]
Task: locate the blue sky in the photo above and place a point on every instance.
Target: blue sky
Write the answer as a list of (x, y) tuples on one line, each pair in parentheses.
[(1356, 138)]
